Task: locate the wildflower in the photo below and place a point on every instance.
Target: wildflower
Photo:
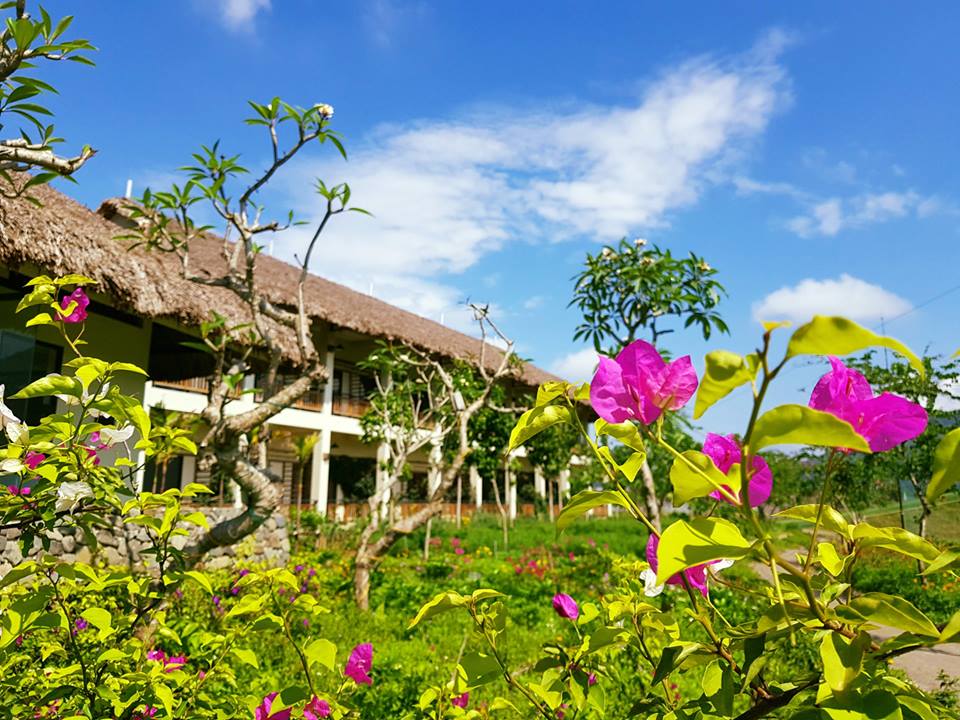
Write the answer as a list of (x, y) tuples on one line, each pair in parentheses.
[(461, 701), (640, 385), (696, 576), (571, 556), (33, 459), (174, 663), (316, 708), (459, 551), (298, 568), (884, 421), (359, 664), (725, 452), (566, 606), (639, 242), (262, 711), (69, 495), (157, 655), (244, 572), (79, 312), (312, 572), (306, 623)]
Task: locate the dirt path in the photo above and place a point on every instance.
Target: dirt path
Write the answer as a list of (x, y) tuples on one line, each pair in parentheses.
[(921, 666)]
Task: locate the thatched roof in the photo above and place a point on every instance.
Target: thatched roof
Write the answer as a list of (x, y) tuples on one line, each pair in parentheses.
[(64, 236)]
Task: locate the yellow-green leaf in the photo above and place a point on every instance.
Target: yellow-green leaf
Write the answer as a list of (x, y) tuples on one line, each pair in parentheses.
[(946, 465), (694, 542), (537, 420), (826, 335), (723, 373), (894, 611), (625, 433), (842, 660), (438, 604), (687, 477), (801, 425), (585, 500)]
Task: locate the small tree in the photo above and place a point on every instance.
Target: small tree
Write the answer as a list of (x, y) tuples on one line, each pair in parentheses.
[(24, 42), (634, 289), (420, 400), (275, 330)]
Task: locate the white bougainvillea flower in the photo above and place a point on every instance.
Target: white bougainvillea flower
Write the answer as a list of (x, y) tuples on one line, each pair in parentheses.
[(18, 433), (69, 495), (7, 417), (650, 587), (11, 465), (85, 398), (112, 436)]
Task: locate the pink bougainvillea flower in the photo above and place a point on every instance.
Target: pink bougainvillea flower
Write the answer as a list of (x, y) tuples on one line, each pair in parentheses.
[(359, 664), (884, 421), (461, 701), (79, 313), (174, 663), (640, 385), (725, 452), (592, 679), (566, 606), (148, 712), (157, 656), (316, 708), (33, 459), (262, 711)]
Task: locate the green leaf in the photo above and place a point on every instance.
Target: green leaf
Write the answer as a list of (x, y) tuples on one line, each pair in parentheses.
[(951, 631), (838, 336), (246, 656), (842, 660), (50, 385), (894, 611), (895, 539), (551, 390), (537, 420), (830, 519), (688, 483), (321, 651), (724, 372), (586, 500), (946, 465), (630, 467), (672, 657), (625, 433), (477, 669), (166, 698), (439, 604), (830, 559), (800, 425), (694, 542), (201, 580)]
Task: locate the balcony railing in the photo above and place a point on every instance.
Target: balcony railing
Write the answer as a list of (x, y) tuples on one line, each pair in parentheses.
[(311, 400)]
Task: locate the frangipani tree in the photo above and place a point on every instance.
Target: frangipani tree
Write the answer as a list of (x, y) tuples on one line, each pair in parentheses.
[(636, 289), (811, 598), (229, 192)]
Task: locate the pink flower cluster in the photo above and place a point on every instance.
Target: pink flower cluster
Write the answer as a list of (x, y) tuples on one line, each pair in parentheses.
[(79, 312), (175, 662)]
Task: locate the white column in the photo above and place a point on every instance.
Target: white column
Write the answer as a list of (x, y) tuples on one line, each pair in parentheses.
[(539, 482), (476, 483), (320, 472), (511, 491), (328, 387), (189, 473), (563, 483)]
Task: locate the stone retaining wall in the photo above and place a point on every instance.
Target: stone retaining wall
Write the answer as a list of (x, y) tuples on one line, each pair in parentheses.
[(122, 544)]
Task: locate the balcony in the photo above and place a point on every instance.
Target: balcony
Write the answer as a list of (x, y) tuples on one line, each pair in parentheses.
[(344, 405)]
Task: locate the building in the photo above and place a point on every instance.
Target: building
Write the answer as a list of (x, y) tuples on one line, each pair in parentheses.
[(143, 311)]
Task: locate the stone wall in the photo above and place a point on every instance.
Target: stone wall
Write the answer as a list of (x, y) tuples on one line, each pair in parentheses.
[(122, 544)]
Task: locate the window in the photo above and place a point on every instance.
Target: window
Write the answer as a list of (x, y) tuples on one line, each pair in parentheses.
[(168, 475), (24, 359)]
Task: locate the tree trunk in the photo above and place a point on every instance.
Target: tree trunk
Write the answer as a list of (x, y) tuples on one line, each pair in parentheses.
[(426, 540), (504, 519), (650, 495)]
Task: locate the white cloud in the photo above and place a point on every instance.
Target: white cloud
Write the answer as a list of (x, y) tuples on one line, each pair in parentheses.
[(534, 302), (384, 19), (848, 296), (577, 366), (237, 14), (830, 217), (445, 193)]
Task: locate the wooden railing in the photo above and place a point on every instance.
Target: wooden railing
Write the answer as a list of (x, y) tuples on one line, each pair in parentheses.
[(311, 400)]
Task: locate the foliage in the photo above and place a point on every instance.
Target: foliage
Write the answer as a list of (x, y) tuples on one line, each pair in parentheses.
[(630, 288), (24, 43)]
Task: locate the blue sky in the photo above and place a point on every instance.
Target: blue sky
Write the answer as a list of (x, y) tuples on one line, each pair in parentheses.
[(808, 151)]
